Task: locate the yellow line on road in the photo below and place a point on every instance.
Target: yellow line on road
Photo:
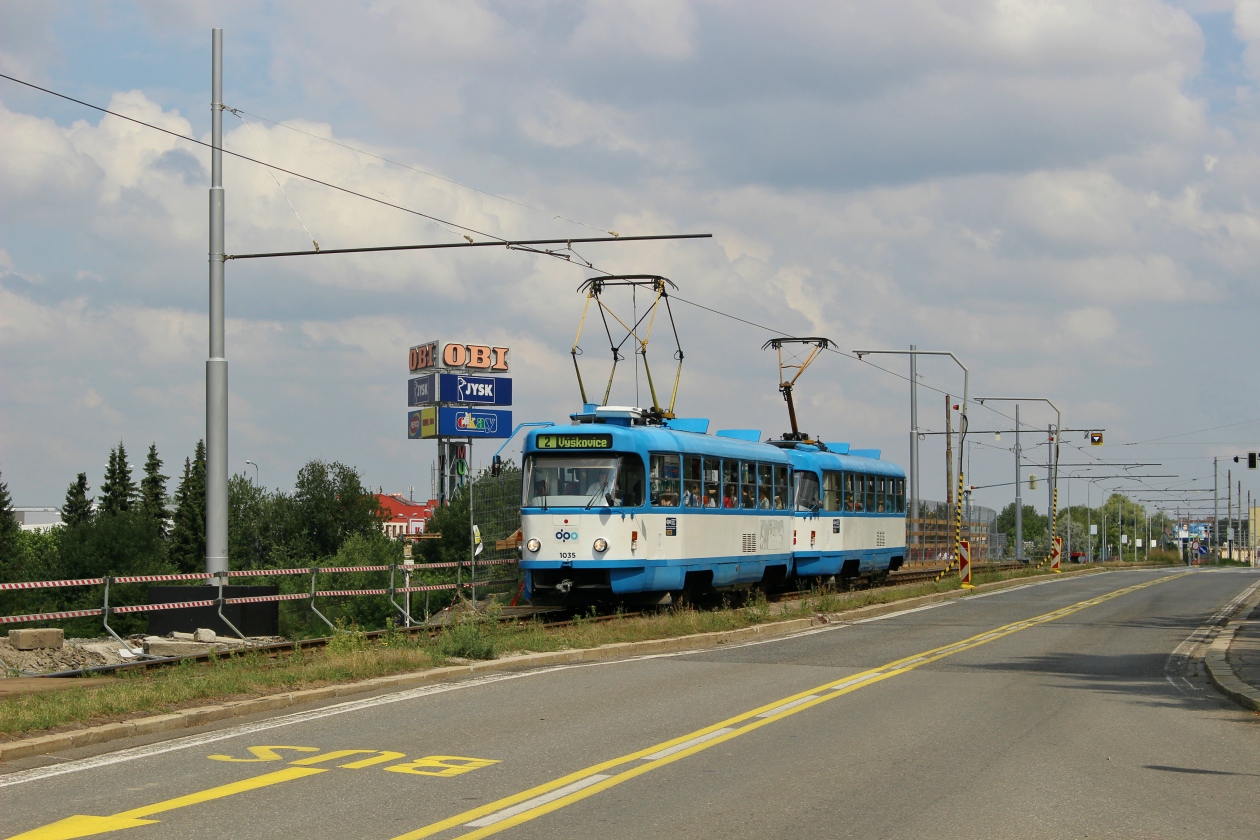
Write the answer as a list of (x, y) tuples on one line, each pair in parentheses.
[(750, 720), (85, 825)]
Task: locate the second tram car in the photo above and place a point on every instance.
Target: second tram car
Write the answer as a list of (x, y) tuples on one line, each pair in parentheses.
[(613, 508)]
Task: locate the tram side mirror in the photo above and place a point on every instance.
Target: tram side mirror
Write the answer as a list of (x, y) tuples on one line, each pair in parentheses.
[(496, 466), (608, 497)]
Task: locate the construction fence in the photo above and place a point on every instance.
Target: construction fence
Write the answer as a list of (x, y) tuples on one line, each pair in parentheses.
[(930, 536)]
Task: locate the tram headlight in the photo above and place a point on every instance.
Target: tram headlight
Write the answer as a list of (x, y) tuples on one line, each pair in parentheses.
[(601, 545), (533, 544)]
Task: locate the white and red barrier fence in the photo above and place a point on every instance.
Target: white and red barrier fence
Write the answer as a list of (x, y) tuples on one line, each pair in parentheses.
[(105, 610)]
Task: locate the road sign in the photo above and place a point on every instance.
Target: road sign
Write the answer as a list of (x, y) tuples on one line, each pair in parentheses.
[(1095, 439), (459, 388), (1203, 550), (964, 563)]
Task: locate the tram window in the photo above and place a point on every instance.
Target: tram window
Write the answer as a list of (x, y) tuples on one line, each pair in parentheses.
[(782, 489), (628, 485), (709, 492), (848, 492), (881, 500), (901, 495), (730, 484), (870, 493), (831, 490), (765, 486), (806, 491), (691, 481), (666, 473), (748, 484)]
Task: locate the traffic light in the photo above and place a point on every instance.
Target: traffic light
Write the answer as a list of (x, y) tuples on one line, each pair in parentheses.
[(1095, 439), (1251, 460), (1032, 481)]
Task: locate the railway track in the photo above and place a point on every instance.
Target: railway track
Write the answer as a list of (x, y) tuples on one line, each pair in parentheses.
[(434, 626)]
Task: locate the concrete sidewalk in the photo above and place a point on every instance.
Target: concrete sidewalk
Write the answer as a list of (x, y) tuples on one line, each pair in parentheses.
[(1233, 658)]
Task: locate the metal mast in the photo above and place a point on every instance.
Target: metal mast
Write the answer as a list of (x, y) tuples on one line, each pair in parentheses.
[(216, 364)]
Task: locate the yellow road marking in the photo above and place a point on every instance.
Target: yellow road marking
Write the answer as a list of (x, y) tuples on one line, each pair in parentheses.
[(710, 736), (83, 825)]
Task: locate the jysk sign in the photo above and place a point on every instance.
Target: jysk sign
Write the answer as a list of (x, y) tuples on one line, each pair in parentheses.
[(552, 441), (458, 388), (473, 422)]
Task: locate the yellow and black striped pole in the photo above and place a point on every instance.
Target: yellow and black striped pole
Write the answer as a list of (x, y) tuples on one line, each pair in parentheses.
[(954, 558)]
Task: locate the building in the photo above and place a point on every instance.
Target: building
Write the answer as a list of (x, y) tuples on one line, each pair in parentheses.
[(402, 517), (37, 518)]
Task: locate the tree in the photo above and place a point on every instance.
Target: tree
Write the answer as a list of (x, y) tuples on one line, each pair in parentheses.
[(188, 536), (153, 490), (330, 504), (78, 507), (9, 528), (118, 491), (1034, 525)]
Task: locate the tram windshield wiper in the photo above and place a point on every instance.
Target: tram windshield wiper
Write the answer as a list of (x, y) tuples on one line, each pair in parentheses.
[(602, 488)]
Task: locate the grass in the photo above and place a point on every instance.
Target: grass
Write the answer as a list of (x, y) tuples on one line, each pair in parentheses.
[(351, 656)]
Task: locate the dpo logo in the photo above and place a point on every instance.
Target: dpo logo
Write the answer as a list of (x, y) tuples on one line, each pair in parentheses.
[(475, 389), (566, 536), (469, 421)]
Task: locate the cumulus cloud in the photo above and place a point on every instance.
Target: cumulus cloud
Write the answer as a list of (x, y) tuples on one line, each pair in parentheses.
[(1035, 186)]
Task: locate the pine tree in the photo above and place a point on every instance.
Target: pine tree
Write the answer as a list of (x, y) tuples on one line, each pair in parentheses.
[(188, 536), (118, 491), (9, 527), (153, 490), (78, 507)]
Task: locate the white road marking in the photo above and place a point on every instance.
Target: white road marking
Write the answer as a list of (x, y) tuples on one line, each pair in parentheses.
[(500, 816), (1178, 661), (856, 680), (792, 705), (699, 739)]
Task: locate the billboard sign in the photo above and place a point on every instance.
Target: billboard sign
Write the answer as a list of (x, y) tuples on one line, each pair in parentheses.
[(422, 424), (459, 388), (475, 358), (473, 422)]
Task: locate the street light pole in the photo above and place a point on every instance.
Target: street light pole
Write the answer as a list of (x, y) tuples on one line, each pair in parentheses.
[(255, 466), (914, 451), (216, 364), (1019, 499)]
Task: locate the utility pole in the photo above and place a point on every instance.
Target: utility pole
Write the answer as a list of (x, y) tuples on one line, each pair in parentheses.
[(1216, 514), (1049, 487), (949, 459), (1229, 513), (916, 537), (1019, 499), (216, 364)]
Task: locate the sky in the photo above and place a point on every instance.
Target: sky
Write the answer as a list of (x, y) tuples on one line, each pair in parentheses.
[(1064, 195)]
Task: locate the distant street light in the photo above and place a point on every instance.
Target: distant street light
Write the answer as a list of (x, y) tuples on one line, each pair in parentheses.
[(255, 466)]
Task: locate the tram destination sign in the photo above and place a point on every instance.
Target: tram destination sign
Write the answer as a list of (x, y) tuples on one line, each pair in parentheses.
[(554, 441), (459, 388)]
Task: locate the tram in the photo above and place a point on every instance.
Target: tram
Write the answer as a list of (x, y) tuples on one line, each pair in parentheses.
[(624, 507)]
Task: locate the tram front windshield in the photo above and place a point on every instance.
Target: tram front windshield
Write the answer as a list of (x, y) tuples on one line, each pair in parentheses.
[(582, 481)]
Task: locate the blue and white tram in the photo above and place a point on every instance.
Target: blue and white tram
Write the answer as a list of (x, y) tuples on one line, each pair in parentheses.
[(616, 509)]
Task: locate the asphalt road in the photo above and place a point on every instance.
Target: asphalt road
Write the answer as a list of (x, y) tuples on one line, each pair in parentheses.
[(1060, 709)]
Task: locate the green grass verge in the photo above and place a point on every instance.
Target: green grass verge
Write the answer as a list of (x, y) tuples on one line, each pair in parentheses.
[(351, 656)]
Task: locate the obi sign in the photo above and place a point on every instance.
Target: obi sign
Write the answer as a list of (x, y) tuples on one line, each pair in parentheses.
[(451, 356)]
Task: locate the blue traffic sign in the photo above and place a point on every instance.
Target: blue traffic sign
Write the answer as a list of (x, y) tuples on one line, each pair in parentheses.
[(458, 388), (1203, 549)]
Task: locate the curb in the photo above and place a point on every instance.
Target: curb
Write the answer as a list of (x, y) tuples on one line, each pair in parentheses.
[(1220, 672), (187, 718)]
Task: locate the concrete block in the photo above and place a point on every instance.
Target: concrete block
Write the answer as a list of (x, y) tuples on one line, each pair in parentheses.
[(43, 638), (155, 646), (159, 723), (202, 634)]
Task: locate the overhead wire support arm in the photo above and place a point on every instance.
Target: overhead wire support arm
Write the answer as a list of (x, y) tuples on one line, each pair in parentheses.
[(523, 244)]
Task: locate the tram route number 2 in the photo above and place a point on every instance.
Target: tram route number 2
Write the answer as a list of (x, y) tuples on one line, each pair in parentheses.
[(442, 766)]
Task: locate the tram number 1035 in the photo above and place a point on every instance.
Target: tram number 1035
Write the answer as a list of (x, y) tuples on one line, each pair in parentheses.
[(451, 355)]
